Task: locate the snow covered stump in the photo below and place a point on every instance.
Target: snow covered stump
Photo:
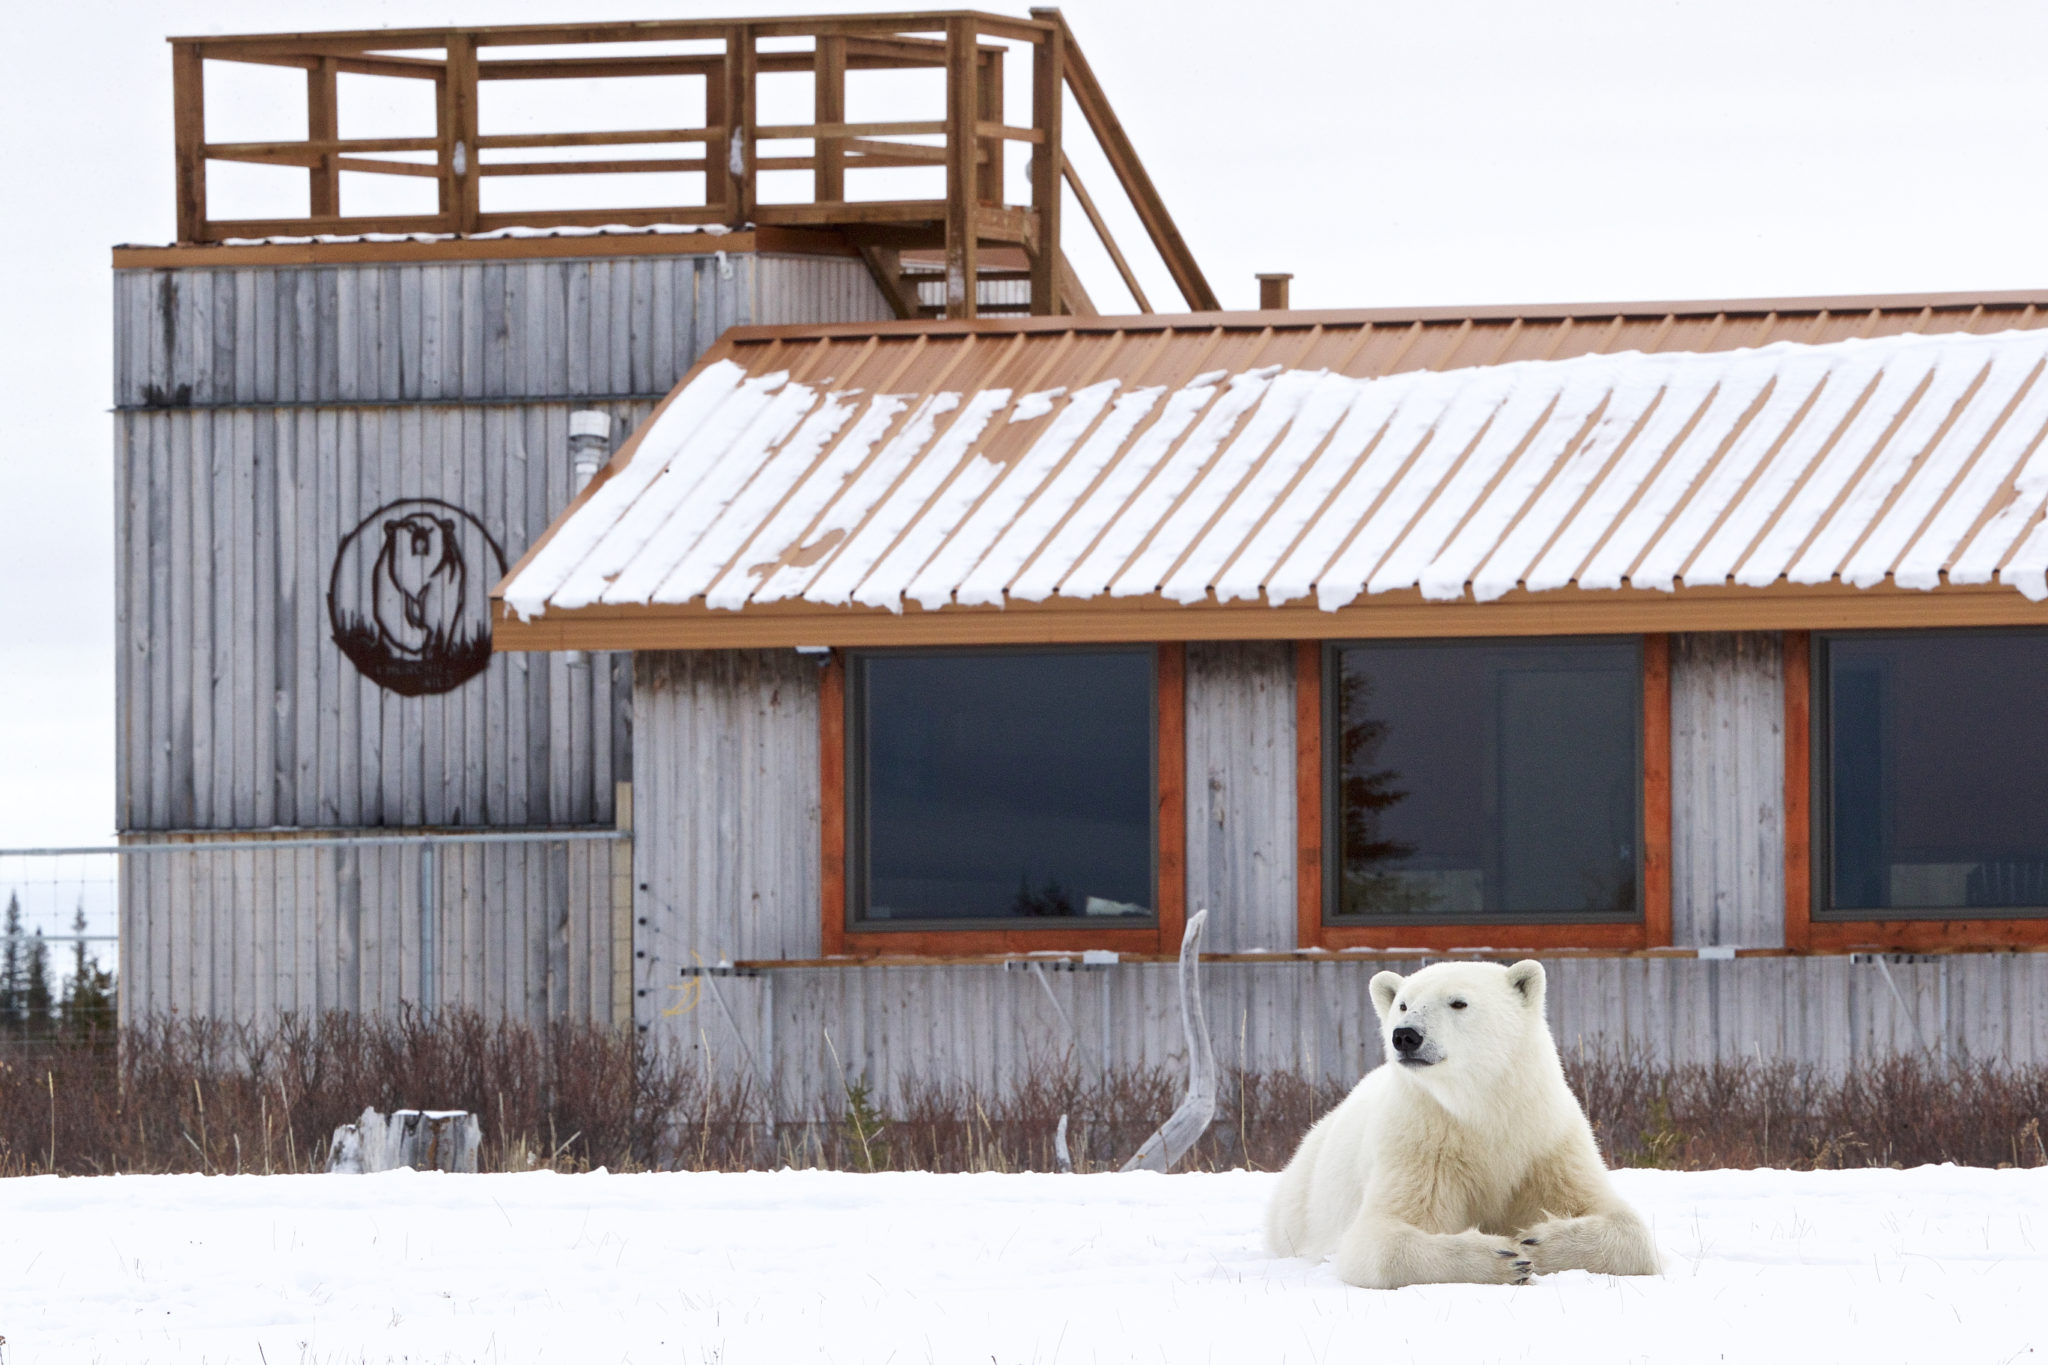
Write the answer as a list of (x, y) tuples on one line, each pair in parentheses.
[(422, 1139)]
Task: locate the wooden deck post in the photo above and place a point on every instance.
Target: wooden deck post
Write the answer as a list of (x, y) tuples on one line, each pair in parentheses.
[(830, 107), (1048, 98), (323, 124), (188, 113), (738, 105), (963, 195), (459, 198)]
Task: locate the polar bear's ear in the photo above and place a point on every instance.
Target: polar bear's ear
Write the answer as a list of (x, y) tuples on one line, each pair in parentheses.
[(1526, 977), (1385, 987)]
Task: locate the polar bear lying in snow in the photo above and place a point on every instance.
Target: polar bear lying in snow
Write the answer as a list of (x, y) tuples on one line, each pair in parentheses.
[(1466, 1158)]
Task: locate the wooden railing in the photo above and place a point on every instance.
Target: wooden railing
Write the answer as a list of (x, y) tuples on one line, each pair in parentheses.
[(969, 220)]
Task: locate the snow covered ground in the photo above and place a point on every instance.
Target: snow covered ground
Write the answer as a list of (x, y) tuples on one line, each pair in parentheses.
[(1936, 1264)]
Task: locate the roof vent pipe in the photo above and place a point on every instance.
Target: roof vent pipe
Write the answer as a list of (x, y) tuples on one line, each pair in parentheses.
[(1273, 293), (590, 442)]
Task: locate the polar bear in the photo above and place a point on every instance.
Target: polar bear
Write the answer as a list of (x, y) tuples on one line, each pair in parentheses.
[(1466, 1158)]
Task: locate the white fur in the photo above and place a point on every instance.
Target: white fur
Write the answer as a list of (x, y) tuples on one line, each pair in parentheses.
[(1472, 1163)]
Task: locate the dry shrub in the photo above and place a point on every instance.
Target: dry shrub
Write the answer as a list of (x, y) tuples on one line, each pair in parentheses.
[(185, 1095)]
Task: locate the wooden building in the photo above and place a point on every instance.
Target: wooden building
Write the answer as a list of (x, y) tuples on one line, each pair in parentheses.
[(335, 428), (1414, 633)]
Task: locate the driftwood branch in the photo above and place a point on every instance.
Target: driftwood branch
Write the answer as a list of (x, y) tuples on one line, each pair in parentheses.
[(1179, 1133)]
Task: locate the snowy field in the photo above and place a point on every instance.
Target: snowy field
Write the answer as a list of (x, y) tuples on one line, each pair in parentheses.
[(1936, 1264)]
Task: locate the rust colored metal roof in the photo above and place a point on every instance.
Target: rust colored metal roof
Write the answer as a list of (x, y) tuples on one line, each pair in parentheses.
[(1322, 474)]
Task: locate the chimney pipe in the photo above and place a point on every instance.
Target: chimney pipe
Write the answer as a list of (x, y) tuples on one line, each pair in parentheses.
[(1273, 293), (590, 441)]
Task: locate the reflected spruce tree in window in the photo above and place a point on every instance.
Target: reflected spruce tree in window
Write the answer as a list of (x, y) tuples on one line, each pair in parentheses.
[(1365, 793), (1486, 778)]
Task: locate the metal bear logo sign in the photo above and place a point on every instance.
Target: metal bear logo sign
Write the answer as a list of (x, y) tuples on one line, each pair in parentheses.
[(409, 598)]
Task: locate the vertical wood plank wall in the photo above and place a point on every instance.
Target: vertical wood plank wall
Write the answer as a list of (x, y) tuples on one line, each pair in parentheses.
[(261, 413), (727, 800)]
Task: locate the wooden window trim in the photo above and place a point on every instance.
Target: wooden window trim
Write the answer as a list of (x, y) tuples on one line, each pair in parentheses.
[(1652, 931), (1803, 932), (839, 939)]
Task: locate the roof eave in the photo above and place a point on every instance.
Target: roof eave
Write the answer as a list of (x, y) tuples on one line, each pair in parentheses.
[(1393, 615)]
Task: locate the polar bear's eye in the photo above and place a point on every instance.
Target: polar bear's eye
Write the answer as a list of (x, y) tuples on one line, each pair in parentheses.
[(1457, 1004), (1404, 1007)]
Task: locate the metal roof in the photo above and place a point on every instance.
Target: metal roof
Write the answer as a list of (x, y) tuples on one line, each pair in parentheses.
[(1334, 462)]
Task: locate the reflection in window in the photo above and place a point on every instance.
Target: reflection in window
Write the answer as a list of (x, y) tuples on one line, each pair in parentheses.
[(1486, 779), (1002, 786), (1932, 749)]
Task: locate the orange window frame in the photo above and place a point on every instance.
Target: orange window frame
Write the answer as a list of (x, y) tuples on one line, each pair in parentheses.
[(1803, 932), (1653, 930), (838, 938)]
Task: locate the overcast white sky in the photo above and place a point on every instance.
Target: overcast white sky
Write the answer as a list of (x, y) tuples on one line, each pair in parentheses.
[(1387, 153)]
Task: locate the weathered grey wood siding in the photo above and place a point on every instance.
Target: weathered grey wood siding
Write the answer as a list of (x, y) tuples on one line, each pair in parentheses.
[(568, 329), (522, 930), (238, 711), (1240, 793), (727, 863), (261, 413), (1728, 790), (727, 807), (989, 1026)]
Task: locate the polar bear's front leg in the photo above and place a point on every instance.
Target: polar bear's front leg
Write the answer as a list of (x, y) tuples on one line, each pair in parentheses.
[(1380, 1251), (1611, 1243)]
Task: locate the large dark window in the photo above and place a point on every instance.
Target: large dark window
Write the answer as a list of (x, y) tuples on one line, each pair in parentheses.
[(1002, 787), (1931, 773), (1477, 780)]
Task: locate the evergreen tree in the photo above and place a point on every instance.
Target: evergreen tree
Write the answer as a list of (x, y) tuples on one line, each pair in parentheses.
[(10, 964), (88, 1004), (35, 990)]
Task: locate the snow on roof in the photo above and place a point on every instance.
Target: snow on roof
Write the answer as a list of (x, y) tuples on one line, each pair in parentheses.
[(1907, 457)]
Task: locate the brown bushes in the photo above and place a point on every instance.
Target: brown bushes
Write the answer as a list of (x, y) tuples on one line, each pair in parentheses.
[(194, 1096)]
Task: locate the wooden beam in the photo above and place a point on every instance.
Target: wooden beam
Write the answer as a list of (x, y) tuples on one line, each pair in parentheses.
[(988, 124), (631, 137), (1048, 106), (1308, 793), (188, 119), (828, 107), (883, 27), (628, 167), (1123, 267), (460, 149), (740, 86), (323, 125), (1656, 741), (1123, 157), (963, 194), (885, 263)]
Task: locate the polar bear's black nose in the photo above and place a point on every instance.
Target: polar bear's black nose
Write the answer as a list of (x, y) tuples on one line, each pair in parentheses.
[(1407, 1039)]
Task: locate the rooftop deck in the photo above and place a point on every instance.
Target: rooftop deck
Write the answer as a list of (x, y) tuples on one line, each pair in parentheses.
[(723, 160)]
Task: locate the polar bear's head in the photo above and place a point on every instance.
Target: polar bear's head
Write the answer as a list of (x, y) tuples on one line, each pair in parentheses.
[(1461, 1024)]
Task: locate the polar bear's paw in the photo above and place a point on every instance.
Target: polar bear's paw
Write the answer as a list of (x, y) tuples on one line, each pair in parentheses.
[(1513, 1264)]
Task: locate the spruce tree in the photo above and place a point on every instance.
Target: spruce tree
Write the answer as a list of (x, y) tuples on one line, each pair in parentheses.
[(10, 964), (88, 1004), (35, 990)]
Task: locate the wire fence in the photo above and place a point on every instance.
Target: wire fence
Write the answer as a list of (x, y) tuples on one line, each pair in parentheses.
[(422, 894)]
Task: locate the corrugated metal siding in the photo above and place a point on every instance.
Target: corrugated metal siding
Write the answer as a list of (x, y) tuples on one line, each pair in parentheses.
[(801, 289), (1728, 790), (726, 805), (1241, 801), (524, 931), (1198, 465)]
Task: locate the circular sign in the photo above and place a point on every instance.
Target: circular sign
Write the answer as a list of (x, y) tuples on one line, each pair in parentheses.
[(409, 598)]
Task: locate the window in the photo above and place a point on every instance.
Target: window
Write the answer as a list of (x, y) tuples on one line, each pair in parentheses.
[(1930, 775), (1002, 789), (1505, 794), (1484, 780)]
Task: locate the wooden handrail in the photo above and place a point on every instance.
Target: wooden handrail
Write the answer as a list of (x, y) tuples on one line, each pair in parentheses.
[(968, 141), (1109, 132)]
